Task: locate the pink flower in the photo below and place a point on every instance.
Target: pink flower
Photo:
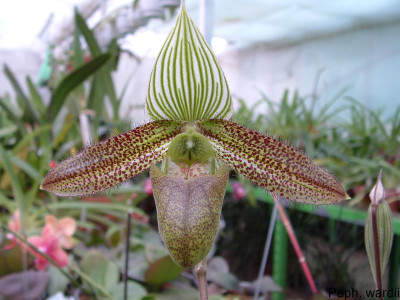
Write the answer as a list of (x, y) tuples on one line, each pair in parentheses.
[(63, 229), (147, 187), (49, 244), (15, 225), (239, 192)]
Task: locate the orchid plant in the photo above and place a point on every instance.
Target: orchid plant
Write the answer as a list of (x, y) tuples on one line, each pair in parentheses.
[(191, 133)]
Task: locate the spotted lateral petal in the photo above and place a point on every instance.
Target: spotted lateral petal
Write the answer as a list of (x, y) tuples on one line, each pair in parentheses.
[(112, 161), (187, 82), (272, 164)]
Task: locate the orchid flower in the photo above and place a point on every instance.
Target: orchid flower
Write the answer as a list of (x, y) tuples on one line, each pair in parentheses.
[(64, 229), (191, 133), (48, 243)]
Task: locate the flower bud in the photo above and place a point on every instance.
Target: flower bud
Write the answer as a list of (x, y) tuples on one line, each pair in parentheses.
[(384, 224), (189, 202), (377, 194)]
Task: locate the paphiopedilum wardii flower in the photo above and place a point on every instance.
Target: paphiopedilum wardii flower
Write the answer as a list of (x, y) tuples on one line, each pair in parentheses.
[(190, 106)]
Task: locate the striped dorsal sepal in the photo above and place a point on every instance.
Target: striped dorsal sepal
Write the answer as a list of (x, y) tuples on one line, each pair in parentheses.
[(187, 82)]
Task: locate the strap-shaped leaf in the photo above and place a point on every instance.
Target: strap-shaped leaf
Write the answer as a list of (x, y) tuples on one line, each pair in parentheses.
[(272, 164), (71, 81), (112, 161), (187, 82)]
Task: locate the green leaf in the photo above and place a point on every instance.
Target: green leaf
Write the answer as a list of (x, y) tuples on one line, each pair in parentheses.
[(93, 206), (36, 98), (100, 270), (15, 182), (178, 293), (113, 235), (112, 161), (58, 282), (26, 167), (161, 271), (73, 80), (87, 34), (13, 115), (226, 280), (96, 95), (93, 284), (78, 51), (27, 139), (104, 75), (187, 82), (135, 291), (8, 130), (271, 164), (24, 101), (8, 203)]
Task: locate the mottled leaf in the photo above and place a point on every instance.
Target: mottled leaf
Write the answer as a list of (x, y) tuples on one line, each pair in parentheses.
[(187, 82), (112, 161), (271, 164)]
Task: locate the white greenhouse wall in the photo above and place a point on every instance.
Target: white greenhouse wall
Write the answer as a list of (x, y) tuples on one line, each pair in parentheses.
[(366, 62)]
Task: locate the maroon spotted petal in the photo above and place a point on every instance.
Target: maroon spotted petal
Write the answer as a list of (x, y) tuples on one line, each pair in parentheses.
[(112, 161), (271, 164)]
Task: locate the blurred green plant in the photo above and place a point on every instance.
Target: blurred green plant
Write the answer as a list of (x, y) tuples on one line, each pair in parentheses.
[(35, 132)]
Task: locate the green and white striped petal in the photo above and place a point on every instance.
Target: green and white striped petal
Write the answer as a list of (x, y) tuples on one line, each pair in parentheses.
[(112, 161), (271, 164), (187, 82)]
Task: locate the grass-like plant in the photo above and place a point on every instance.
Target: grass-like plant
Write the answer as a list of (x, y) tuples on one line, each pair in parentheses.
[(190, 105)]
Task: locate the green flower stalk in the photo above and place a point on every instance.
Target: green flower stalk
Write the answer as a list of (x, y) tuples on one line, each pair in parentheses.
[(190, 106)]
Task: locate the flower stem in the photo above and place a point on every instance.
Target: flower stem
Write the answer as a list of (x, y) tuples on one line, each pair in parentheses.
[(376, 248), (128, 235), (201, 272), (266, 251), (296, 246)]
